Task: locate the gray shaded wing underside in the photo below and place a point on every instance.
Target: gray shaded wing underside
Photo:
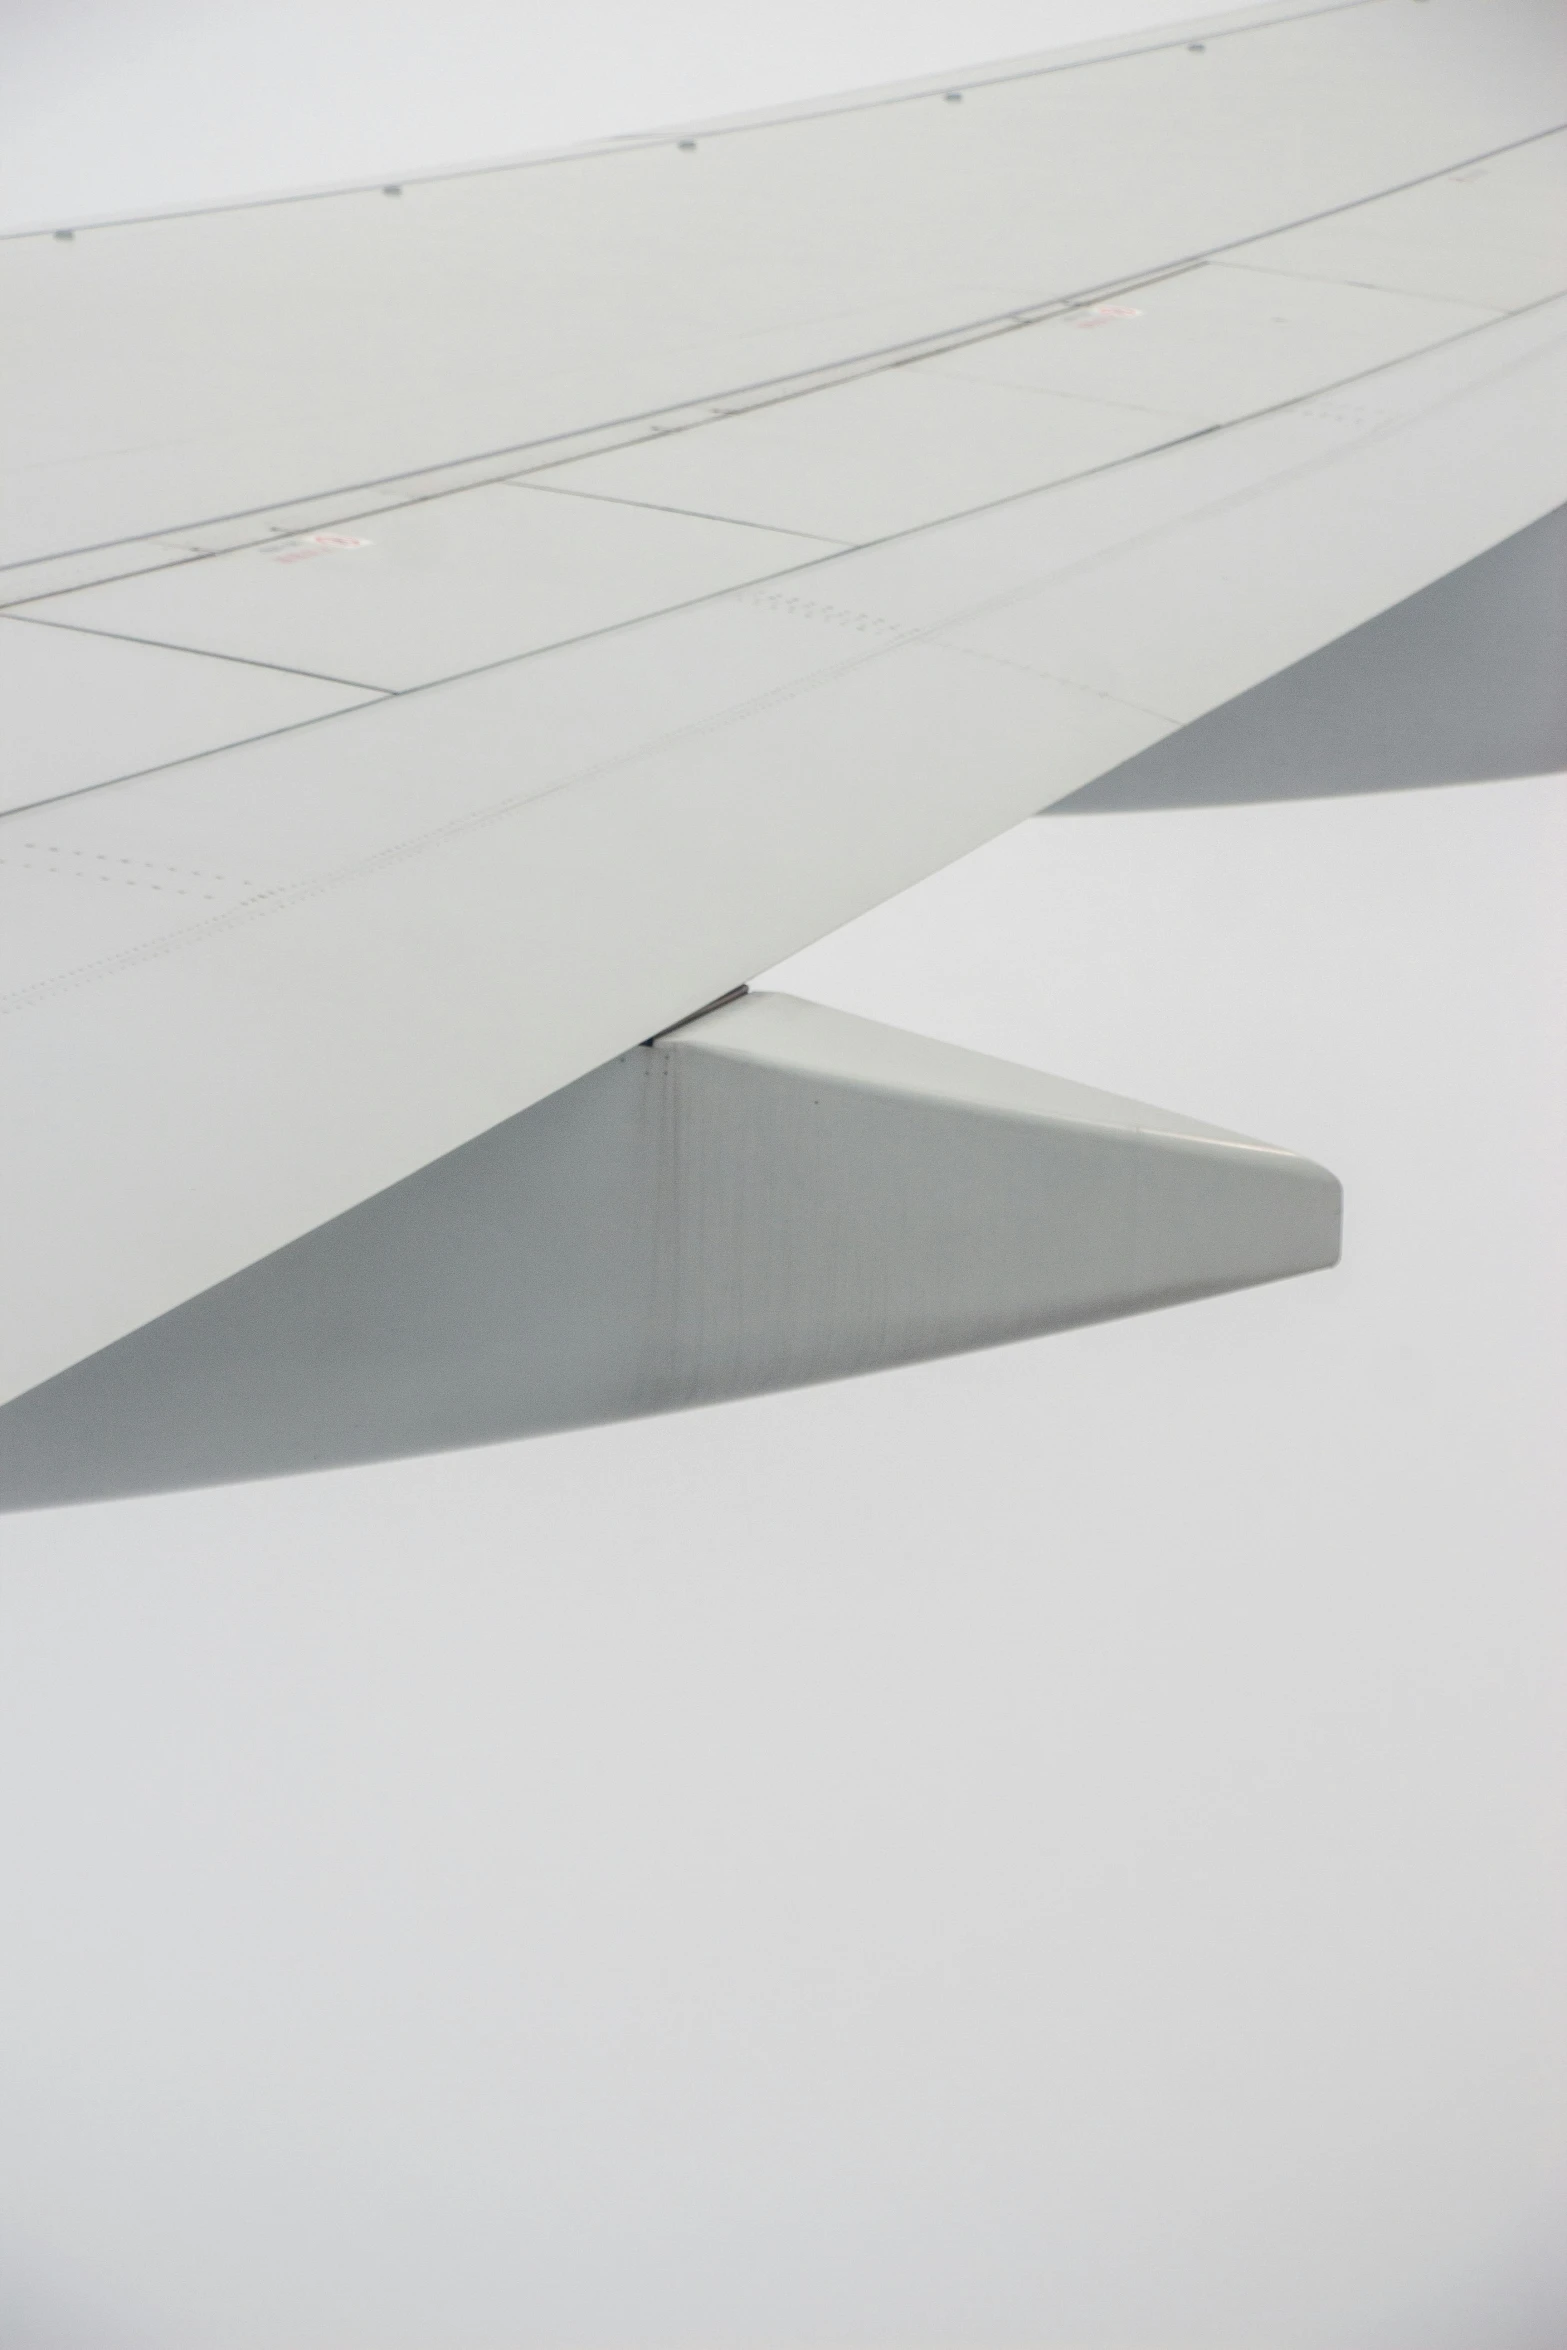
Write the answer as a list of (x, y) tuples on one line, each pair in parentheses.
[(1463, 683)]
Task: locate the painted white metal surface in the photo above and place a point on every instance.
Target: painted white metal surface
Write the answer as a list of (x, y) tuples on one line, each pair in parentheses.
[(888, 452), (431, 590), (81, 709), (1216, 342), (775, 1194), (422, 915), (484, 312), (404, 594), (1489, 232)]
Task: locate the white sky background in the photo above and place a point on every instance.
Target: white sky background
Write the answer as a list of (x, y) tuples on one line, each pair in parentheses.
[(1062, 1848)]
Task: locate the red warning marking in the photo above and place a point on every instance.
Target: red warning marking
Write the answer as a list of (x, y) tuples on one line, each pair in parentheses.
[(317, 542), (1102, 313)]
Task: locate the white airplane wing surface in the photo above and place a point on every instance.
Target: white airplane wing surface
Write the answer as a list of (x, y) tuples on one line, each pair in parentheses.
[(454, 632)]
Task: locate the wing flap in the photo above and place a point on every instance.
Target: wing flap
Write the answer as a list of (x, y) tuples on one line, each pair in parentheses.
[(434, 589), (438, 585), (83, 709)]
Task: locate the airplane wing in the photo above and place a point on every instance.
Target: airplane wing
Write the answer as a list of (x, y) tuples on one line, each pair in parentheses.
[(454, 632)]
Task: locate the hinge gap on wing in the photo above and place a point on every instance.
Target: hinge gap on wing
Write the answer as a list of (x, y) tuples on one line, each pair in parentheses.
[(732, 997)]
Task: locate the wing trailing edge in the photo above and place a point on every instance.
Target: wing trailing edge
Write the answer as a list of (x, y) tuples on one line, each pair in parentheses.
[(771, 1195)]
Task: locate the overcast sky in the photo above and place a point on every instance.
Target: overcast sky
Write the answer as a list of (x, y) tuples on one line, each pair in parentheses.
[(1056, 1850)]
